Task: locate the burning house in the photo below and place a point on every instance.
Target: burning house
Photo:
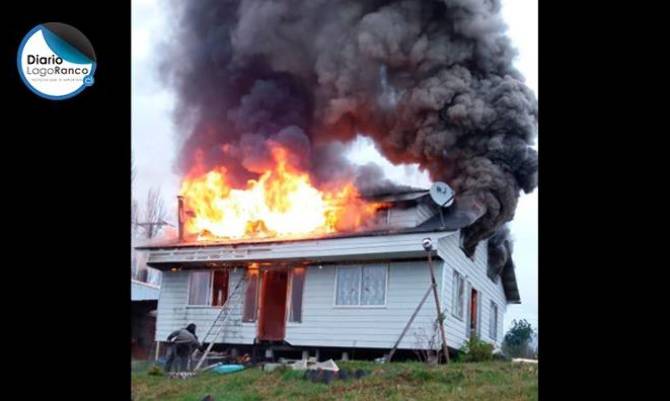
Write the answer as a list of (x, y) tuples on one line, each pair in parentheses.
[(348, 290), (268, 95)]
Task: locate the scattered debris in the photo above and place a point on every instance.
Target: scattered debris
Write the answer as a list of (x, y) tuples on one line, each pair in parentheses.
[(327, 365), (227, 357), (180, 375), (523, 360), (311, 363), (270, 367), (211, 366), (300, 365)]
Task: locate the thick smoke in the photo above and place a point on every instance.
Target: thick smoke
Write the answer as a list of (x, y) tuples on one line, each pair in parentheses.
[(431, 82), (499, 248)]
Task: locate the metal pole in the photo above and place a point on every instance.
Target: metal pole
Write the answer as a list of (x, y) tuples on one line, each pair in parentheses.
[(440, 317)]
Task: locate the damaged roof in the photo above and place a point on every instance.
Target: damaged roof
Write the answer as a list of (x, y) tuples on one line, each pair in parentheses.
[(447, 220), (509, 283), (396, 195)]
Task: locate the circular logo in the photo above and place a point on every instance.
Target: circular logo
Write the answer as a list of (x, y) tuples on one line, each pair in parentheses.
[(56, 61)]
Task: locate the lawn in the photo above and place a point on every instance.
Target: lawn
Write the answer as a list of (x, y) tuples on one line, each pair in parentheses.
[(494, 381)]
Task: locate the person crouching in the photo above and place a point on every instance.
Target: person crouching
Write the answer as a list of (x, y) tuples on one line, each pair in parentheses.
[(182, 344)]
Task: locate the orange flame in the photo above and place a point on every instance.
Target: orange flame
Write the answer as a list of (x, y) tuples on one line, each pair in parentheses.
[(281, 203)]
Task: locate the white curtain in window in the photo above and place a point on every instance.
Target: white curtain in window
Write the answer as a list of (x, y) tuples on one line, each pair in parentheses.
[(461, 295), (199, 286), (373, 288), (457, 295), (493, 322), (454, 294), (348, 285)]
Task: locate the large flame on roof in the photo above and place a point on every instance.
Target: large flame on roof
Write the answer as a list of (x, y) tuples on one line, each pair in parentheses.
[(282, 202)]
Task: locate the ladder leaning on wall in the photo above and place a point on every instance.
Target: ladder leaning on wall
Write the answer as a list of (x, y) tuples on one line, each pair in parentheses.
[(234, 299)]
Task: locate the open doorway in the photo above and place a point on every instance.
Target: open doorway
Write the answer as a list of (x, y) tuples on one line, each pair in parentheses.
[(272, 310)]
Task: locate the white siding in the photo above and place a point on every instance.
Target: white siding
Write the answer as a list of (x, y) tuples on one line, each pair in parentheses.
[(409, 217), (173, 313), (140, 291), (475, 277), (324, 324)]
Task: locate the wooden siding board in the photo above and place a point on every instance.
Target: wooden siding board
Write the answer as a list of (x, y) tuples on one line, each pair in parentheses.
[(475, 275), (325, 324)]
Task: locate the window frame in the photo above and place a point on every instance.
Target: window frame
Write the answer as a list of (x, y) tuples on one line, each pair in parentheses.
[(387, 268), (455, 294), (289, 297), (259, 283), (209, 291), (493, 327)]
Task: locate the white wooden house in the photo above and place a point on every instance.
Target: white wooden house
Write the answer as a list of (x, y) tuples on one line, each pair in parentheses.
[(352, 291)]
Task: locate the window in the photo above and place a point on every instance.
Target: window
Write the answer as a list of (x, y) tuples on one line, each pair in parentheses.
[(251, 297), (457, 295), (361, 285), (219, 287), (208, 288), (493, 321), (296, 284), (198, 288)]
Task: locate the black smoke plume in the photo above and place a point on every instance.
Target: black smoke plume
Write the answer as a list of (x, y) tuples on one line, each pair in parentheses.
[(431, 82), (499, 248)]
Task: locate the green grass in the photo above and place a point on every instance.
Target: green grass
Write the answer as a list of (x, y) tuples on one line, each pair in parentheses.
[(486, 381)]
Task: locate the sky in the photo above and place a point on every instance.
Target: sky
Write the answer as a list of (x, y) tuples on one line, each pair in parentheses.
[(154, 149)]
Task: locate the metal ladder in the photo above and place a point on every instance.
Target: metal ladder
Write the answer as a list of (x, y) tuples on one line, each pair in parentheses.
[(233, 300)]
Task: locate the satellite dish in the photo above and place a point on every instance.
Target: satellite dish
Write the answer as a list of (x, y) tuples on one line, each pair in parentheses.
[(442, 194)]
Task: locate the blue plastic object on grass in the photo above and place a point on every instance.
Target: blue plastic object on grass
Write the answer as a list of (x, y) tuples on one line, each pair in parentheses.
[(228, 368)]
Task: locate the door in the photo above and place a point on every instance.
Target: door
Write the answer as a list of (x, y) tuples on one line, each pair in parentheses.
[(272, 311), (473, 313)]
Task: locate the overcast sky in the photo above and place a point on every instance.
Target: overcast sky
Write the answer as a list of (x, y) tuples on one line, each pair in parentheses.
[(154, 150)]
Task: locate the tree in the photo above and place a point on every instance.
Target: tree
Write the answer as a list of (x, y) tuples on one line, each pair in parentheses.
[(154, 213), (134, 212), (518, 339), (134, 207)]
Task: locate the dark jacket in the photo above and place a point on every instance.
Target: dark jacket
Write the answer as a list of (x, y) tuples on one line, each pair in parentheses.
[(183, 336)]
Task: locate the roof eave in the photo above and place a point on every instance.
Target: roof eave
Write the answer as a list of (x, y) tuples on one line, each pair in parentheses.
[(402, 246)]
